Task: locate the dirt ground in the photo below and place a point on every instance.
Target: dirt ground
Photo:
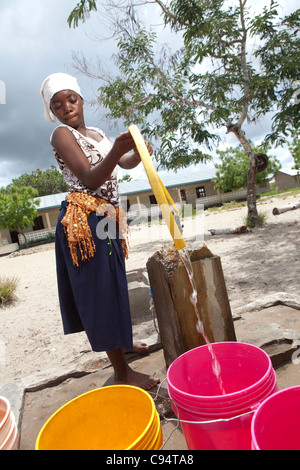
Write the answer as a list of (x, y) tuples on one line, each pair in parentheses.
[(259, 262)]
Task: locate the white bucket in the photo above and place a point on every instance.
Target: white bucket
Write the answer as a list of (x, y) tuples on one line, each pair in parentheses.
[(8, 428)]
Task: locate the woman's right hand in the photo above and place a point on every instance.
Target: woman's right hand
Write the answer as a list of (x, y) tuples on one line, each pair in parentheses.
[(123, 144)]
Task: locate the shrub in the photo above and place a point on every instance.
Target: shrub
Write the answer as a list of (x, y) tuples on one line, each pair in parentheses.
[(261, 220), (8, 287)]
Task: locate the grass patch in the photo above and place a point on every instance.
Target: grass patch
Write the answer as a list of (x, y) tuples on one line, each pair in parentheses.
[(262, 217), (281, 192), (8, 286), (226, 206)]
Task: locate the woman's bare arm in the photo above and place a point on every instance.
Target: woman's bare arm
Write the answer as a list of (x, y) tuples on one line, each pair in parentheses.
[(66, 145)]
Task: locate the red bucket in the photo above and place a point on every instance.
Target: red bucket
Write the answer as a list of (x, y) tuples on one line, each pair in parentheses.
[(210, 420), (8, 428), (275, 425)]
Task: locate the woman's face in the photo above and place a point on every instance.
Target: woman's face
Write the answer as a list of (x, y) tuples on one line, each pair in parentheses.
[(67, 107)]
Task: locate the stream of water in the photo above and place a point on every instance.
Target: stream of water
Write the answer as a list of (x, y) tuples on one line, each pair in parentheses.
[(200, 328)]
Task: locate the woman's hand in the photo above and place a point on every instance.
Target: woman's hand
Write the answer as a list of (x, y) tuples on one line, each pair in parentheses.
[(149, 148), (131, 160), (123, 144)]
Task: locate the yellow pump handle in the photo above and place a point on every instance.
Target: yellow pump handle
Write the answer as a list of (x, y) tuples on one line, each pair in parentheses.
[(161, 194)]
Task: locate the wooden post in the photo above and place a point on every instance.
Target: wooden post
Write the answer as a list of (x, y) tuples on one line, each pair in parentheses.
[(171, 291)]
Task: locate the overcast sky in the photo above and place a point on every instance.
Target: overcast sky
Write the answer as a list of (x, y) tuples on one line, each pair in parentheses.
[(36, 41)]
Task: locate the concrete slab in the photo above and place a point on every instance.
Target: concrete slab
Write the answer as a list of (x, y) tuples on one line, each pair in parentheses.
[(275, 329), (10, 248), (39, 405), (34, 399)]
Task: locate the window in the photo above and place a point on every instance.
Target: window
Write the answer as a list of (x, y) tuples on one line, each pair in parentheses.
[(38, 223), (125, 204), (152, 200), (183, 195), (200, 191)]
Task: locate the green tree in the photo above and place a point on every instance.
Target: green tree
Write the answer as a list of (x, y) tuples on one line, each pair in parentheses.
[(294, 148), (81, 11), (233, 169), (125, 178), (18, 208), (46, 182), (234, 67)]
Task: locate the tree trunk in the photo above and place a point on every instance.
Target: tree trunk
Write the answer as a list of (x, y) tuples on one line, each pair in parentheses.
[(251, 178), (251, 190), (25, 238), (291, 207)]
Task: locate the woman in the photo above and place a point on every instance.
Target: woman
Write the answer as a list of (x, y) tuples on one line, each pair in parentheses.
[(91, 228)]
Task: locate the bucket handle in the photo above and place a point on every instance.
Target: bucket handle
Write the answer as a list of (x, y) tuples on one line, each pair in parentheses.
[(177, 420)]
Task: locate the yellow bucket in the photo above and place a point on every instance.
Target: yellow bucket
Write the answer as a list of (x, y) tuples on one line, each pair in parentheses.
[(119, 417)]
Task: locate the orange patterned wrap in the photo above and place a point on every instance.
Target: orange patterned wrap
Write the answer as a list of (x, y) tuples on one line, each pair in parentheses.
[(77, 228)]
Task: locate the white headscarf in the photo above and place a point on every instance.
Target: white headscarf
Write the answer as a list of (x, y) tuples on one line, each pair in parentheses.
[(53, 84)]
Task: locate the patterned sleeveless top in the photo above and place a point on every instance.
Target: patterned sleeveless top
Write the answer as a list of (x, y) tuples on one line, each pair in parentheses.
[(95, 152)]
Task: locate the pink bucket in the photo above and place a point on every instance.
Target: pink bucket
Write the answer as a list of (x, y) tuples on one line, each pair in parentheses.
[(210, 420), (8, 427), (275, 425)]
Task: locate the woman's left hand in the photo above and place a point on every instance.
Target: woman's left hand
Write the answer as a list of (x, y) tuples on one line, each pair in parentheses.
[(149, 148), (131, 160)]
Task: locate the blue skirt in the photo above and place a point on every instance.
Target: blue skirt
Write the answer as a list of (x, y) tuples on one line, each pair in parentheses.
[(94, 296)]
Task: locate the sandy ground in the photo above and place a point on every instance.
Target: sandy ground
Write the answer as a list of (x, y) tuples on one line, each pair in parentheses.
[(263, 261)]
